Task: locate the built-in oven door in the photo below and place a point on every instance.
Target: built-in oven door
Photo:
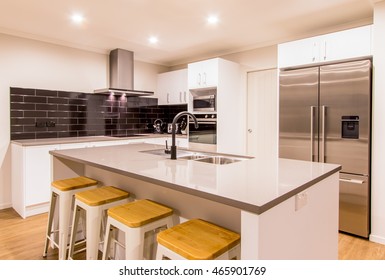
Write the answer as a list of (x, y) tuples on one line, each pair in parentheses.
[(205, 136)]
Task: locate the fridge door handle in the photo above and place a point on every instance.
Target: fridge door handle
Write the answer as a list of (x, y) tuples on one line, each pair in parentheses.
[(354, 181), (312, 133), (323, 126)]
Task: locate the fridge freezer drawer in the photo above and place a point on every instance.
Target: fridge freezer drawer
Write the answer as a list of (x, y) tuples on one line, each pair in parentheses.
[(354, 204)]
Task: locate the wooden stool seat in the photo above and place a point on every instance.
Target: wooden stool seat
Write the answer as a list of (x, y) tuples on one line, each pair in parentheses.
[(58, 224), (95, 204), (198, 240), (101, 195), (138, 221), (73, 183), (139, 213)]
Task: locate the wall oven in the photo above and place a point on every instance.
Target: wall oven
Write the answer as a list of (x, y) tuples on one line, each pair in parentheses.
[(205, 136), (204, 100)]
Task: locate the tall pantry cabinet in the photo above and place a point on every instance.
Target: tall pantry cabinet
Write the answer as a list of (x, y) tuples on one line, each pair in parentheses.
[(226, 77)]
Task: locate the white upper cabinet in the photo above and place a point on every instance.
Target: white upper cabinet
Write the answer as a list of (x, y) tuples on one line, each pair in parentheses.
[(203, 74), (172, 87), (347, 44), (340, 45)]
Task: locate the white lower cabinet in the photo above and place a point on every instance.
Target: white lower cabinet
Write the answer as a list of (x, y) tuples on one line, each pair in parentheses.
[(31, 175)]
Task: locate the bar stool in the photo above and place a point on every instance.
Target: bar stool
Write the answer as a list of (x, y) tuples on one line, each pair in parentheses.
[(198, 240), (63, 190), (94, 203), (135, 219)]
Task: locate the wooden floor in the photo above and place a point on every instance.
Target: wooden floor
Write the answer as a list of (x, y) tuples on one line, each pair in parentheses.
[(23, 239)]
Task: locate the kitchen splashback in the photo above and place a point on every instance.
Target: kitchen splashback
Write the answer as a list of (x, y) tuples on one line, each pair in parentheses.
[(38, 113)]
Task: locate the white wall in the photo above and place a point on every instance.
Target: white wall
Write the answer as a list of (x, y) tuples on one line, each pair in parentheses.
[(256, 59), (378, 148), (34, 64)]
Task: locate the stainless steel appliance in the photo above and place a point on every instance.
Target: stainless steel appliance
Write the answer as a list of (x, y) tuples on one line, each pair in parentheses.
[(325, 116), (204, 100), (158, 126), (121, 78), (205, 136)]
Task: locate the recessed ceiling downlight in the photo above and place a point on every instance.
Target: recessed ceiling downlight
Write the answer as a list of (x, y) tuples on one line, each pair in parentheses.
[(153, 40), (212, 19), (77, 18)]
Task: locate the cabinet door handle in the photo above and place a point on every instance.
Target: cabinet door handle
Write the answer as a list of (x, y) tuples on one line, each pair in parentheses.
[(205, 78), (325, 46), (314, 50), (185, 97), (180, 96), (312, 108), (199, 79), (168, 97), (323, 127)]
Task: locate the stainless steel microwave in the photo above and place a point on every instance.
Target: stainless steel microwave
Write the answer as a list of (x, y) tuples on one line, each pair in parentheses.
[(204, 103), (204, 100)]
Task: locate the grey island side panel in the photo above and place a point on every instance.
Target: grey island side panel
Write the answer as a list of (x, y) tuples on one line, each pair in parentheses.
[(250, 185)]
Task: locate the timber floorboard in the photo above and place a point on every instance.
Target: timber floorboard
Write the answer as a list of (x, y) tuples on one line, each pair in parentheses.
[(23, 239)]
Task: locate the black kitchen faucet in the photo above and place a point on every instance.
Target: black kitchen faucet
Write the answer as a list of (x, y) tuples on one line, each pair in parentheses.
[(173, 130)]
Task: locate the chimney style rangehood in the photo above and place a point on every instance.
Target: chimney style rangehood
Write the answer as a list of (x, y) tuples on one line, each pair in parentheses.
[(122, 75)]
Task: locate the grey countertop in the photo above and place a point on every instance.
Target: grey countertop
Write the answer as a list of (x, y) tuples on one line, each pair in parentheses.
[(254, 185), (68, 140)]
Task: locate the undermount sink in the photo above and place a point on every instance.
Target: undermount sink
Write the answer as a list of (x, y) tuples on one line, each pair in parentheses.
[(200, 156), (193, 157), (161, 152), (220, 159)]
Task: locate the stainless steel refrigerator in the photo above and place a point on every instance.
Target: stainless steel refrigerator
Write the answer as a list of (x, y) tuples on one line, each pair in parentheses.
[(325, 116)]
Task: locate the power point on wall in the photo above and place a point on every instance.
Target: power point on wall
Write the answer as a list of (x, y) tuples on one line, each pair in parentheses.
[(300, 200), (50, 124), (40, 124)]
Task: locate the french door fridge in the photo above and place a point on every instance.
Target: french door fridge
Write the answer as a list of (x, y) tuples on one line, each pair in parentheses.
[(325, 116)]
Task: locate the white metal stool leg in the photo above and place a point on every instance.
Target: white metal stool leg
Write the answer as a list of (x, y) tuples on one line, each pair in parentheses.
[(93, 227), (65, 201), (107, 240), (94, 216), (61, 210), (51, 214), (134, 237), (74, 229)]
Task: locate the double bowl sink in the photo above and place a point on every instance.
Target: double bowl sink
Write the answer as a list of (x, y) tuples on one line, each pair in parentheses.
[(200, 156)]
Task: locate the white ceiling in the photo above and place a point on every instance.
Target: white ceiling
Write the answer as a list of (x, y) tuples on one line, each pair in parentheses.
[(180, 25)]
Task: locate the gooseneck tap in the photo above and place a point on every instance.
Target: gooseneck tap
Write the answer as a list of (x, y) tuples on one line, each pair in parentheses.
[(173, 130)]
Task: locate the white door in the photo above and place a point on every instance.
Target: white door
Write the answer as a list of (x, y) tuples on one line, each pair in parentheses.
[(262, 113)]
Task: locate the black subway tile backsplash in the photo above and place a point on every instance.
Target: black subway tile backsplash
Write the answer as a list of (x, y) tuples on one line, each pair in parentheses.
[(47, 93), (41, 113), (35, 99)]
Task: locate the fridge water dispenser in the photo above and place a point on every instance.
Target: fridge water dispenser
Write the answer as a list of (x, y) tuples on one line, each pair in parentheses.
[(350, 127)]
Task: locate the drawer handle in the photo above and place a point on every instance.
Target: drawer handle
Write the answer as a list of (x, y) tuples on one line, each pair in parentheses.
[(354, 181)]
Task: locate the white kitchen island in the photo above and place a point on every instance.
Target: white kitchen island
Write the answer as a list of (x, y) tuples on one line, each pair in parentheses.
[(283, 209)]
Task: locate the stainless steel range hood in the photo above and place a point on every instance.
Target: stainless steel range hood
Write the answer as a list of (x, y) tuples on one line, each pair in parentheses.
[(122, 75)]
